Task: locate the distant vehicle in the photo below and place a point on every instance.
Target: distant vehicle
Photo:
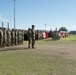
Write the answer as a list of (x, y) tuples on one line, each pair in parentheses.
[(72, 32)]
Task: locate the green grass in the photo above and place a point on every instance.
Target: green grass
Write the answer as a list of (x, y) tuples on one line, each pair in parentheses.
[(65, 40), (69, 38), (29, 62)]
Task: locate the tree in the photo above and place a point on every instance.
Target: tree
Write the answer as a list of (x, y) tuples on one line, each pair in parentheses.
[(62, 29)]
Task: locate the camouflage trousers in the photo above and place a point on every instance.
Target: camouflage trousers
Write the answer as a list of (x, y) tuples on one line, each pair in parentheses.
[(1, 42), (16, 41), (9, 42), (29, 41), (12, 41), (33, 41)]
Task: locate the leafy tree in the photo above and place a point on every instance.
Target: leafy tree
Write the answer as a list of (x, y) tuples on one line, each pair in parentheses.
[(62, 29)]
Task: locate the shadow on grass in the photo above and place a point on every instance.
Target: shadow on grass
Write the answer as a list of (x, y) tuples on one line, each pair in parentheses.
[(13, 48)]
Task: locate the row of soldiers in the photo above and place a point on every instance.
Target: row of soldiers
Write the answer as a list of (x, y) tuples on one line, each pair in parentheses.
[(11, 37)]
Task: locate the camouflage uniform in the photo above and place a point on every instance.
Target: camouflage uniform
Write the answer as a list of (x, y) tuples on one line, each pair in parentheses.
[(8, 37), (33, 36), (12, 37), (1, 37), (16, 37), (4, 37), (22, 36), (53, 36), (29, 37)]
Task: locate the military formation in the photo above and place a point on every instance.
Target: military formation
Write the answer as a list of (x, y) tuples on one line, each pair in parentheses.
[(12, 37)]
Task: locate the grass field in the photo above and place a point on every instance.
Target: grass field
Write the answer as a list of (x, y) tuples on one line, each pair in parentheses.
[(67, 40), (40, 61)]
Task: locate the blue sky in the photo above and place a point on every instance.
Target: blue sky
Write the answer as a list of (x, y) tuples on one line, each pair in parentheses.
[(55, 13)]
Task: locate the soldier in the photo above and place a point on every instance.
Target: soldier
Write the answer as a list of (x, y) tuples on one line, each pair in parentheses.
[(29, 37), (22, 36), (16, 37), (53, 35), (19, 37), (33, 36), (1, 37), (4, 36), (8, 37), (12, 37)]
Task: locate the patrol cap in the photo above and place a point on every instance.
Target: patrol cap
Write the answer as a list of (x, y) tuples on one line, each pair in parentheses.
[(33, 26), (28, 28)]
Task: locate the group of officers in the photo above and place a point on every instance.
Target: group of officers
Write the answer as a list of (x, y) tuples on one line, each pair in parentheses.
[(55, 36), (11, 37), (31, 37)]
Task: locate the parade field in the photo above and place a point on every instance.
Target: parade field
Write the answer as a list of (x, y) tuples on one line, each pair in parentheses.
[(49, 58)]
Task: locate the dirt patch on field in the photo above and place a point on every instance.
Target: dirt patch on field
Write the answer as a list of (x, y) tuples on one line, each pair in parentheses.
[(65, 50), (68, 51)]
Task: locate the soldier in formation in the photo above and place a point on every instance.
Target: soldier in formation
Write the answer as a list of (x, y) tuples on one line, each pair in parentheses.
[(8, 37), (11, 37), (3, 44), (29, 37), (22, 36), (16, 37), (1, 37)]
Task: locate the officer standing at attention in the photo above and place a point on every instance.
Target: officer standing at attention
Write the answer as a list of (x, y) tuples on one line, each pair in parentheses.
[(33, 36), (29, 38)]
